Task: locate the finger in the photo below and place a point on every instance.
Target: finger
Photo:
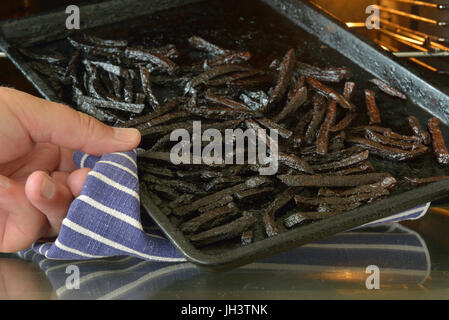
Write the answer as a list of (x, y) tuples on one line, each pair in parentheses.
[(76, 180), (51, 197), (66, 160), (52, 122), (21, 223), (60, 176)]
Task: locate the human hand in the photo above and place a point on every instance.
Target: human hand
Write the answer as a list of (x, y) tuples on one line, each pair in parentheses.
[(38, 179)]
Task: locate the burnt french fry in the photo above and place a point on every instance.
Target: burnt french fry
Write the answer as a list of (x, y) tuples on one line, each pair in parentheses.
[(148, 168), (89, 47), (387, 152), (206, 46), (388, 183), (299, 218), (319, 111), (163, 119), (344, 163), (373, 111), (322, 140), (385, 140), (271, 125), (169, 106), (362, 168), (94, 85), (154, 58), (333, 156), (330, 93), (210, 219), (295, 162), (258, 82), (73, 64), (331, 180), (300, 128), (387, 132), (105, 42), (232, 57), (348, 90), (228, 80), (183, 199), (251, 195), (344, 123), (163, 190), (439, 147), (255, 100), (218, 203), (223, 113), (225, 102), (223, 181), (211, 74), (418, 130), (112, 68), (117, 85), (292, 106), (224, 232), (285, 72), (146, 86), (271, 227), (386, 88), (335, 144), (326, 75), (128, 91), (340, 201), (180, 185), (250, 183), (122, 106)]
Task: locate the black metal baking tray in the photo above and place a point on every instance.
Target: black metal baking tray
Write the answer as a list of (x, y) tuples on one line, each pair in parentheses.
[(267, 29)]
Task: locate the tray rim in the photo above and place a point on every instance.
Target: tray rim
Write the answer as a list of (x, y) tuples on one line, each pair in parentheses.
[(289, 239)]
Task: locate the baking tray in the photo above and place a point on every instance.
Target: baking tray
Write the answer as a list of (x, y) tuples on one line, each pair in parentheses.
[(267, 29)]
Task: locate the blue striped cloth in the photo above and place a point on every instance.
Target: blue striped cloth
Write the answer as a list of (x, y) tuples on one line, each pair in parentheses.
[(400, 253), (105, 219)]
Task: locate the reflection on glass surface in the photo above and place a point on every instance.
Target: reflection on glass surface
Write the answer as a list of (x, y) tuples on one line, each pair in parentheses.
[(331, 268)]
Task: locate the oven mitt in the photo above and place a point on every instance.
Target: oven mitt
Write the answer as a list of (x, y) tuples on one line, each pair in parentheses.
[(105, 219)]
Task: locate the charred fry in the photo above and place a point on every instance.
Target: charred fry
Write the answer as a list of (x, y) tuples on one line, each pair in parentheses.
[(439, 147)]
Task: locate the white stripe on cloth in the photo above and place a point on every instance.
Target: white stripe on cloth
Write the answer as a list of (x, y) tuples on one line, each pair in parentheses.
[(109, 261), (90, 234), (114, 184), (83, 160), (122, 290), (119, 166), (72, 250), (115, 213), (127, 157), (93, 275)]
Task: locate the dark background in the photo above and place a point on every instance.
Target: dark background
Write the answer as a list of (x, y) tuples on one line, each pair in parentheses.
[(9, 75)]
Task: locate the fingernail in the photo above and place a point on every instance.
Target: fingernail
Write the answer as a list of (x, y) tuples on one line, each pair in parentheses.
[(48, 188), (4, 182), (126, 134)]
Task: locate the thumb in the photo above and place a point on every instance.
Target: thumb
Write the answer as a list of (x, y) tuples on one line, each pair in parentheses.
[(47, 121)]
